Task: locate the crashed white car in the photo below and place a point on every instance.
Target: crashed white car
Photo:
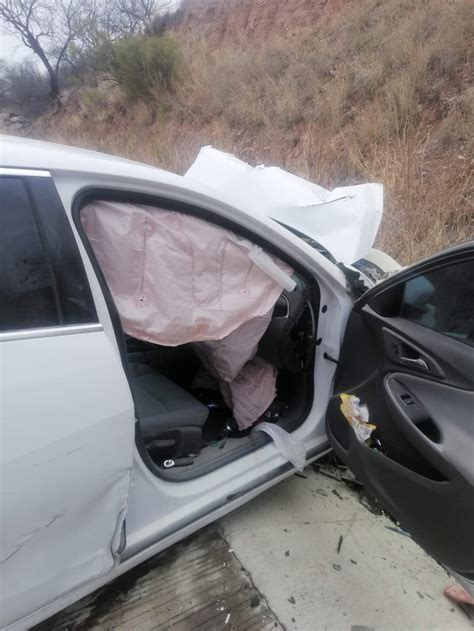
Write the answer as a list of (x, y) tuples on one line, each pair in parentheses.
[(170, 347)]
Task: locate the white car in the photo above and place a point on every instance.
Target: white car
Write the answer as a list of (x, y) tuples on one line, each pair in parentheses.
[(120, 431)]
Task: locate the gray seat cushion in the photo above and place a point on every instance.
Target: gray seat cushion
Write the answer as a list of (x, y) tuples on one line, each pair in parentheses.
[(138, 370), (161, 404)]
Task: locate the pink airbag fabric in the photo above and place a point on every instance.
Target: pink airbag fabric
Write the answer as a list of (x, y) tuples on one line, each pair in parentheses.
[(251, 393), (177, 279), (225, 358)]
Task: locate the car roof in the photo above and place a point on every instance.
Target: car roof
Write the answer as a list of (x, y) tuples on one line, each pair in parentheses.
[(63, 160), (26, 153)]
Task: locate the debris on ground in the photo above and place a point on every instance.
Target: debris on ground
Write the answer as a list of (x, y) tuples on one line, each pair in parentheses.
[(292, 600), (398, 530), (331, 467), (341, 539), (319, 492), (371, 504)]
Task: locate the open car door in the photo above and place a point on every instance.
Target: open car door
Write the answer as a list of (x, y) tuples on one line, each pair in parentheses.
[(408, 354)]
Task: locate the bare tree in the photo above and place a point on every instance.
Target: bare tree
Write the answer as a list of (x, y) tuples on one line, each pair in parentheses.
[(48, 28), (3, 80), (128, 17), (58, 30), (114, 19)]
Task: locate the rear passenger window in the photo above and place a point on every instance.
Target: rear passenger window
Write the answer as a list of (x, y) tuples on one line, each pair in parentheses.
[(27, 297), (42, 279)]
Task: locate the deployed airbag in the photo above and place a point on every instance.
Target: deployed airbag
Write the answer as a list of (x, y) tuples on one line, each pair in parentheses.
[(250, 394), (177, 279), (225, 358)]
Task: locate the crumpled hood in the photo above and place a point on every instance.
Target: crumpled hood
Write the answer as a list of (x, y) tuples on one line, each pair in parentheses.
[(345, 220)]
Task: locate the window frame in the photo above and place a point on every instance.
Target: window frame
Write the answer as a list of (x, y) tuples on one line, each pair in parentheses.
[(426, 275), (23, 333)]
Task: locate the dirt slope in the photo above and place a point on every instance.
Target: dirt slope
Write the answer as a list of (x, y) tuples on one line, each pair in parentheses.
[(372, 90), (233, 20)]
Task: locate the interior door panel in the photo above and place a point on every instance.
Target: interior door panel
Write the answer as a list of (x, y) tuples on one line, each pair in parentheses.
[(447, 446), (418, 384)]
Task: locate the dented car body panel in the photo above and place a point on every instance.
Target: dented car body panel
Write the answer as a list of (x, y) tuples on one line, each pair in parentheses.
[(345, 220), (63, 495)]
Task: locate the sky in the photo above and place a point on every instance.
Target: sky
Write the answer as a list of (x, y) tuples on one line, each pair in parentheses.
[(13, 50)]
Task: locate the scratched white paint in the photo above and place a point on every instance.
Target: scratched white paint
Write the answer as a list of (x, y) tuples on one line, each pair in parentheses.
[(67, 428)]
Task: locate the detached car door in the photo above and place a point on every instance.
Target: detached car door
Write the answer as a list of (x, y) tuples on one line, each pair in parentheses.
[(66, 413), (408, 354)]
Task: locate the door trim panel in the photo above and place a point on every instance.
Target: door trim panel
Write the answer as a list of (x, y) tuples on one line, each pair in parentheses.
[(452, 455)]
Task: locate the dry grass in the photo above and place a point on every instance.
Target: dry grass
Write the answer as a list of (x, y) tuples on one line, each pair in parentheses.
[(384, 91)]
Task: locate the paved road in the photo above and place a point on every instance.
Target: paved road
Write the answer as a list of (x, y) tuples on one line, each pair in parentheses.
[(288, 538), (274, 564)]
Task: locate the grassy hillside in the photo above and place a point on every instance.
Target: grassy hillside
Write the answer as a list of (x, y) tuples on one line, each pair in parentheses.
[(381, 91)]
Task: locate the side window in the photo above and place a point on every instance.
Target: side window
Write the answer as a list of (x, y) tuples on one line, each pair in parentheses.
[(27, 296), (443, 300), (42, 279), (75, 299)]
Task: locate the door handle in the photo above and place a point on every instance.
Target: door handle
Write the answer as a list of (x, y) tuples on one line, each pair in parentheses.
[(419, 362)]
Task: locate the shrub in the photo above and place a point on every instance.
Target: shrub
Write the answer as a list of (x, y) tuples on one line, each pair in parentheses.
[(141, 66), (23, 81), (24, 89)]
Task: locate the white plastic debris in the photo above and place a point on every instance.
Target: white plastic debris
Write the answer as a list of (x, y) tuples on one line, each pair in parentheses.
[(227, 618), (344, 220), (289, 447)]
